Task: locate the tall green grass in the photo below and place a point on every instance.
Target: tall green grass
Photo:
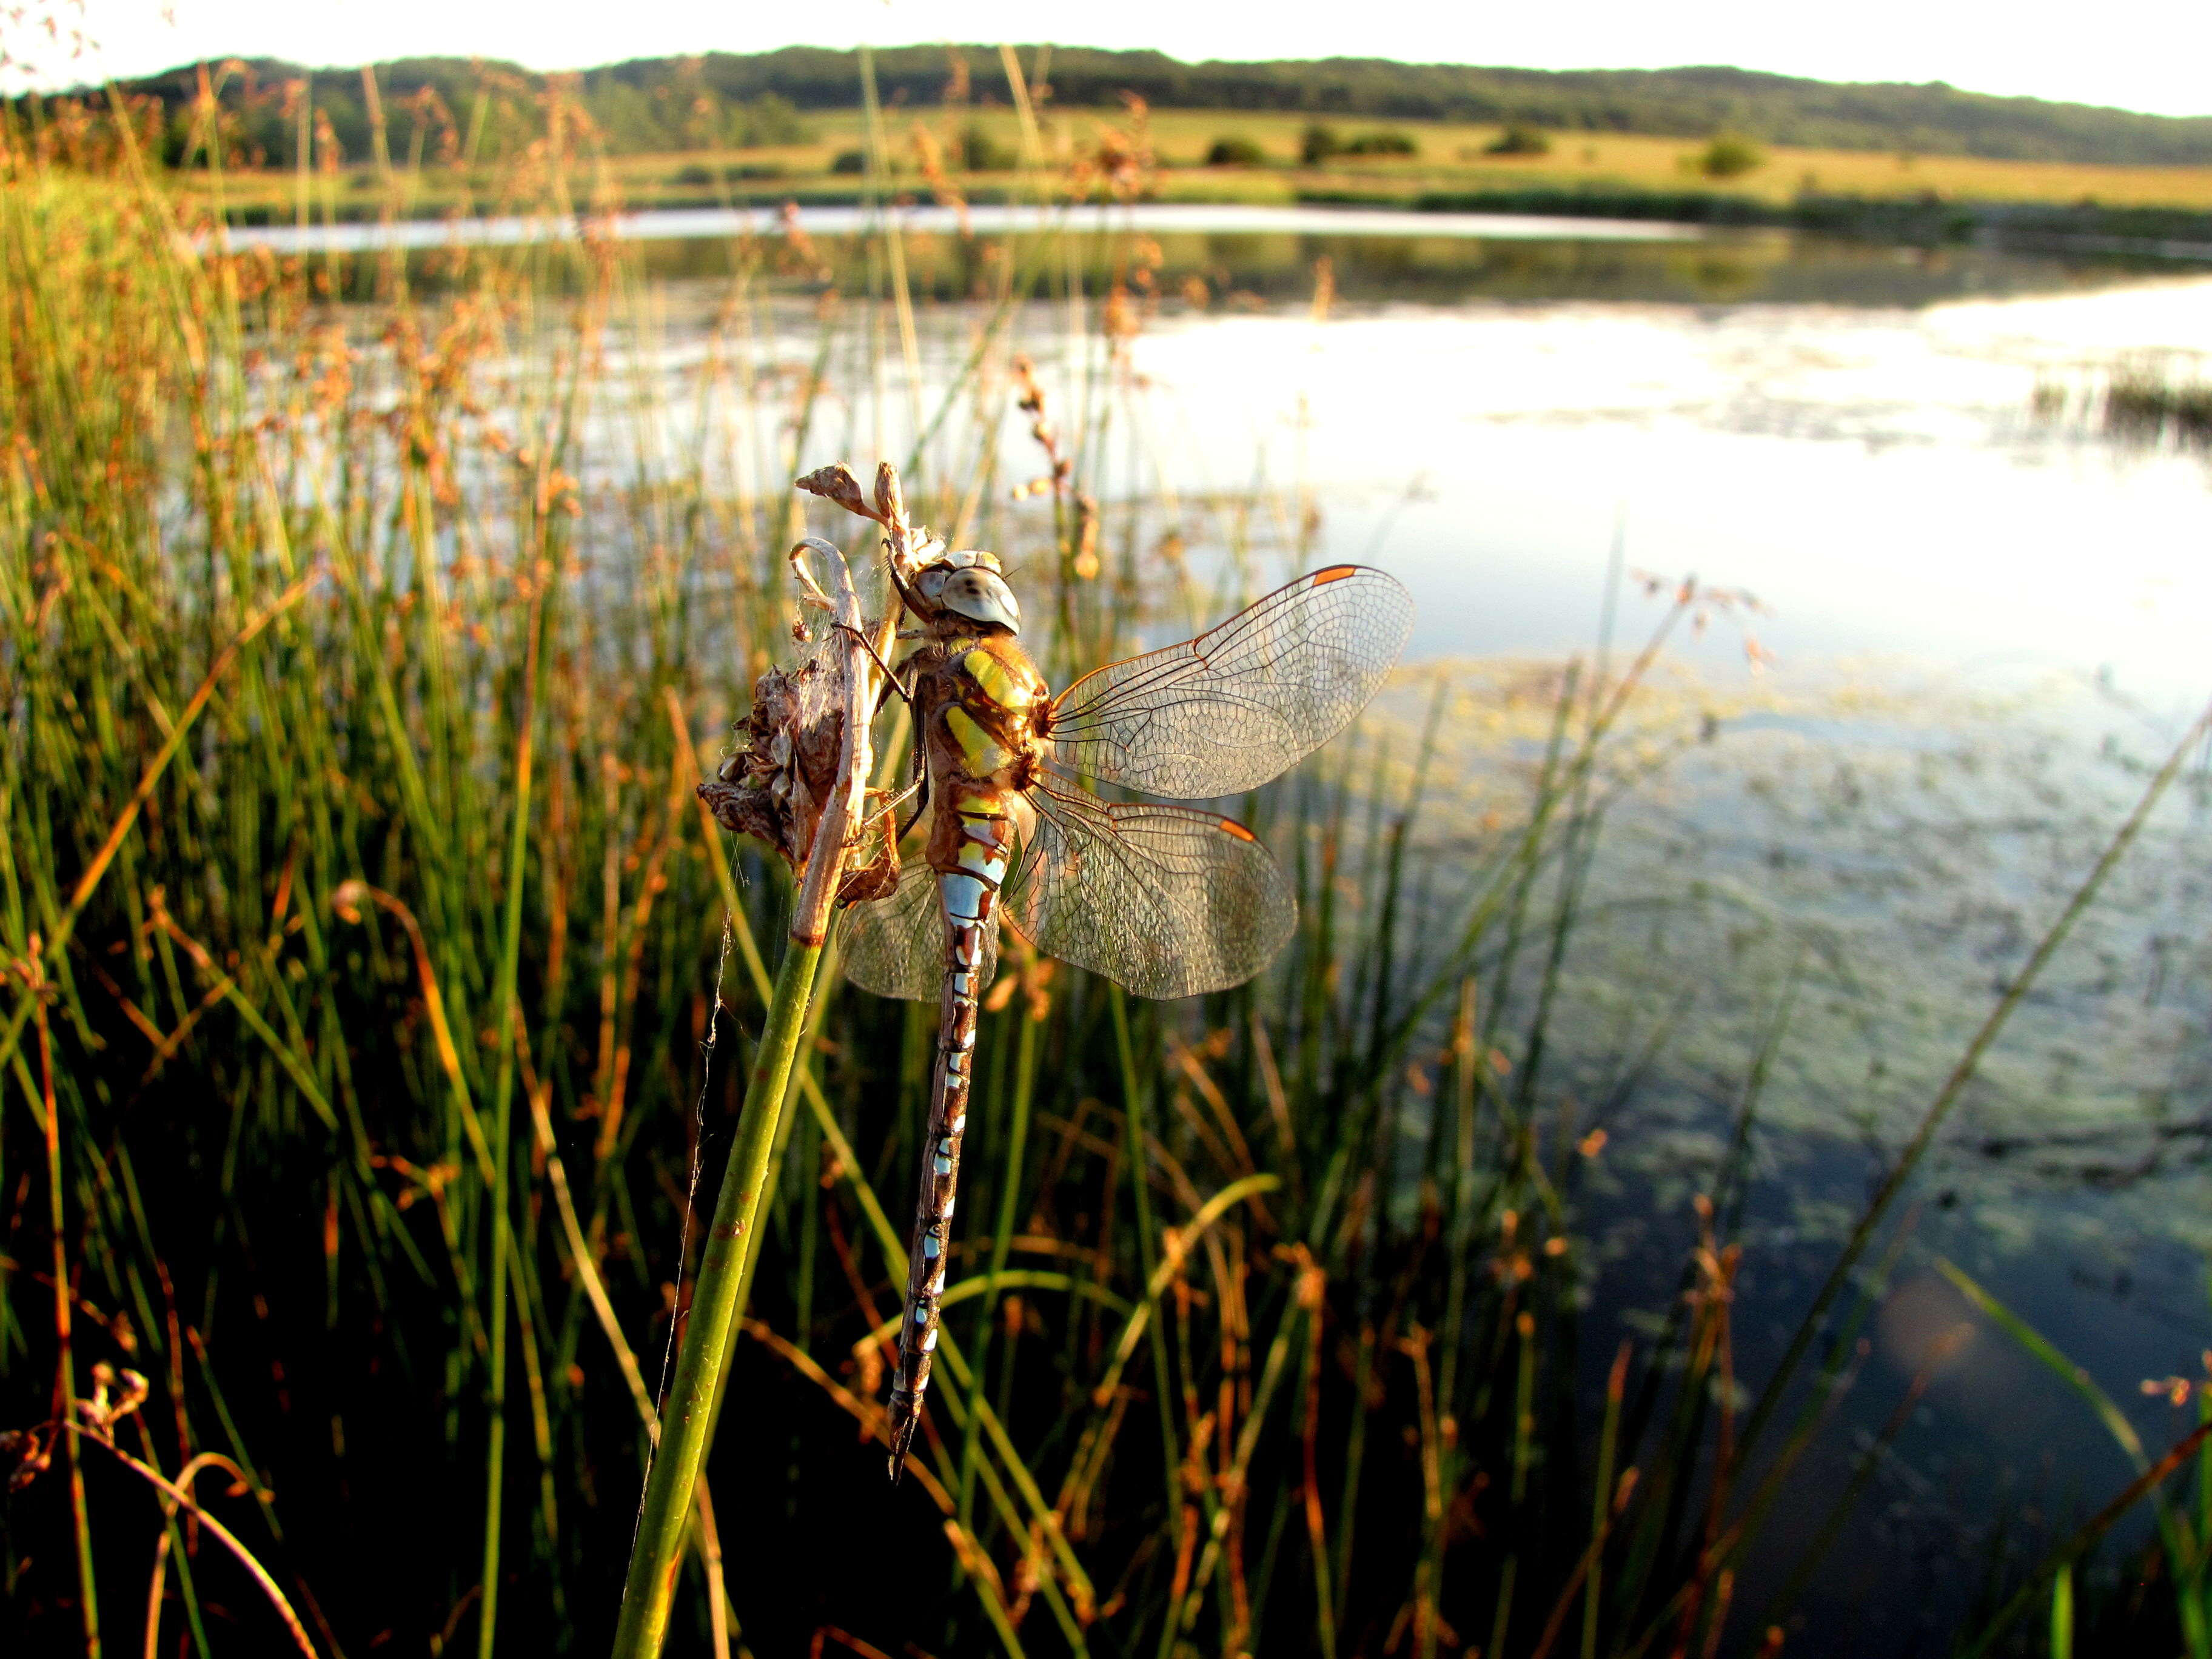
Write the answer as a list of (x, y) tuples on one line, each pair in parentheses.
[(378, 998)]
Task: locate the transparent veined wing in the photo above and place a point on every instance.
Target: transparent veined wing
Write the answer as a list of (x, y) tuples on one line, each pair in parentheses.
[(1245, 701), (1167, 901), (895, 946)]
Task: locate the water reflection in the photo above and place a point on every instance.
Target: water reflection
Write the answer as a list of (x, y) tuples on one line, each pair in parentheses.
[(1874, 475), (983, 218), (1266, 255)]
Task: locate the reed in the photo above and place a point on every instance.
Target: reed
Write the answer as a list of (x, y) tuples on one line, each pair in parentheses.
[(2157, 401), (365, 624)]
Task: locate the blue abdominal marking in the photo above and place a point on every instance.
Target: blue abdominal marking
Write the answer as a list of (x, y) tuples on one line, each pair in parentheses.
[(963, 897)]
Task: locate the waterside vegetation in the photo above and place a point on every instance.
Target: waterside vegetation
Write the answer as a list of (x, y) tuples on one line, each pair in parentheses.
[(378, 998)]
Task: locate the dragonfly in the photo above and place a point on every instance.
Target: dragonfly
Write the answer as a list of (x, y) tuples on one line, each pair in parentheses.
[(1165, 900)]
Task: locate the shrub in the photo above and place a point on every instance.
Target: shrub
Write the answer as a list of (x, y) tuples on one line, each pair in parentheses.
[(849, 160), (1236, 152), (1729, 155), (1385, 142), (768, 120), (1318, 144), (695, 175), (980, 151), (1519, 139)]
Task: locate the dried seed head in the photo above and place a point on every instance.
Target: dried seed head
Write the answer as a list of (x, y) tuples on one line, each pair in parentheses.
[(1085, 564), (775, 784), (837, 483), (33, 1450), (890, 500), (102, 1412)]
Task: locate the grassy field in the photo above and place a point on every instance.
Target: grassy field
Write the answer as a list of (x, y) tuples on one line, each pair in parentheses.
[(377, 995), (1451, 158)]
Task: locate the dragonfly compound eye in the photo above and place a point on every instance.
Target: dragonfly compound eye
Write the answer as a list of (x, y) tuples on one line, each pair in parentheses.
[(983, 596)]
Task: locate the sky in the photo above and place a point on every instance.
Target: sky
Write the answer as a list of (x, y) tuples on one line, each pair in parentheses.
[(2148, 55)]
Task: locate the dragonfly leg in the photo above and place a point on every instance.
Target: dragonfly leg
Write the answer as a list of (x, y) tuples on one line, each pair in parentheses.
[(892, 806), (922, 804), (891, 681)]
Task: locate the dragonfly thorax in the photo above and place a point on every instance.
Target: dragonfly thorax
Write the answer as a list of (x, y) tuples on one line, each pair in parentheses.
[(975, 702)]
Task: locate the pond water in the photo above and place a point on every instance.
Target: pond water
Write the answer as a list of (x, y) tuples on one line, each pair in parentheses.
[(987, 219), (1982, 619), (1888, 448), (1978, 615), (1874, 476), (1975, 613)]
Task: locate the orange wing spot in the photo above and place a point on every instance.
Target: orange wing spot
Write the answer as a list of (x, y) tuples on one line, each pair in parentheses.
[(1335, 573), (1230, 826)]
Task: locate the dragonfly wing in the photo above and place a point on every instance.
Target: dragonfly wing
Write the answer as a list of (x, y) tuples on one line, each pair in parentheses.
[(1244, 701), (895, 946), (1166, 901)]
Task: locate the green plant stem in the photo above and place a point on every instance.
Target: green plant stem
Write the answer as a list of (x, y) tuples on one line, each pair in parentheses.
[(88, 1597), (666, 1515), (1355, 1449), (1133, 1124), (1602, 1500), (2184, 1552), (57, 942), (503, 1137), (2075, 1548)]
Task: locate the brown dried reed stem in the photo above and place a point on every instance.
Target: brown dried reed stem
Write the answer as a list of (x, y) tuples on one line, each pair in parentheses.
[(177, 1497)]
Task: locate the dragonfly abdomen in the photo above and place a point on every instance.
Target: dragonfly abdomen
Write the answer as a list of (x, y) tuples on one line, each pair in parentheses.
[(967, 895)]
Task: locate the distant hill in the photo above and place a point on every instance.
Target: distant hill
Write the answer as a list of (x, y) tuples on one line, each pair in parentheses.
[(668, 103)]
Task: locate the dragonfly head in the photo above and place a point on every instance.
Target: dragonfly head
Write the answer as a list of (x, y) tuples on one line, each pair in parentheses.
[(967, 585)]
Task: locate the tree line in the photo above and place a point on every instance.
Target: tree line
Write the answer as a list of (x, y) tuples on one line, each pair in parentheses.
[(722, 100)]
